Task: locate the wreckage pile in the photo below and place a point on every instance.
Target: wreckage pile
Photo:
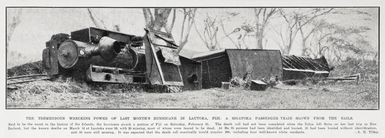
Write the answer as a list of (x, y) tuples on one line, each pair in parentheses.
[(103, 56), (226, 69)]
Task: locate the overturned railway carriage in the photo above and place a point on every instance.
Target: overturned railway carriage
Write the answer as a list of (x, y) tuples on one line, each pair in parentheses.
[(256, 64), (220, 66), (191, 74)]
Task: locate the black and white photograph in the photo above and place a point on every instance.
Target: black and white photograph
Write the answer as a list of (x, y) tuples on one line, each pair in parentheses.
[(193, 58)]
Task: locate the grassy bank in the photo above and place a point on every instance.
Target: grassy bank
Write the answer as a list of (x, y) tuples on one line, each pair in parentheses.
[(342, 95)]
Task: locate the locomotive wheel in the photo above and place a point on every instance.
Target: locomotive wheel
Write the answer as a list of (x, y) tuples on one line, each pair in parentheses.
[(68, 54)]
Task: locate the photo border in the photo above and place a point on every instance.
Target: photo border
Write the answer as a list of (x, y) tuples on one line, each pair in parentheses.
[(379, 55)]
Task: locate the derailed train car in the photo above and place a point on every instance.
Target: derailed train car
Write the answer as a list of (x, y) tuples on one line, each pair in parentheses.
[(191, 73), (256, 64), (223, 65)]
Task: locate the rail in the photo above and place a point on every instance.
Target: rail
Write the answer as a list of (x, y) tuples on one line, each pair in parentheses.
[(26, 78)]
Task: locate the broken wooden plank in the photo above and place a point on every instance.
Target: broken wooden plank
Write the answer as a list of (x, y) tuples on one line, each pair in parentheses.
[(355, 77), (258, 85)]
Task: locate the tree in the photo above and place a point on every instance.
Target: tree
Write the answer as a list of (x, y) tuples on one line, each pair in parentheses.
[(13, 20), (342, 41), (306, 36), (187, 23), (338, 41), (227, 35), (238, 34), (318, 36), (262, 18), (99, 23), (295, 22), (158, 19), (209, 36)]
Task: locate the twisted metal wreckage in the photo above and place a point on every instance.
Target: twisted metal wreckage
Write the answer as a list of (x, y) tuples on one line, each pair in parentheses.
[(99, 55)]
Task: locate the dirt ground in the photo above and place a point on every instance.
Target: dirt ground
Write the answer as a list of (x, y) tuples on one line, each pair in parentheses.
[(341, 95)]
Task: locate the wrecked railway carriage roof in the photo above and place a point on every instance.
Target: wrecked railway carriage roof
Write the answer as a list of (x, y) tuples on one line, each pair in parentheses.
[(291, 62), (210, 54)]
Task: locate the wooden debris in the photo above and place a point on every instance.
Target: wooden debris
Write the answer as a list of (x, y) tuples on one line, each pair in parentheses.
[(258, 85), (355, 77), (225, 85)]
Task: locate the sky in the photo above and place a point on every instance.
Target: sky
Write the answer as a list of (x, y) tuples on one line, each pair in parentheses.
[(37, 25)]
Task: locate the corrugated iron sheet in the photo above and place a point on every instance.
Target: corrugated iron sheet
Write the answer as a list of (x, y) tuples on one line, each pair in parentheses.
[(304, 63), (295, 67), (255, 63), (208, 55)]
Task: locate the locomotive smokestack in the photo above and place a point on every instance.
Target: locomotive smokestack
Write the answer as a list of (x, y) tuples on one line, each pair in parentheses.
[(109, 48)]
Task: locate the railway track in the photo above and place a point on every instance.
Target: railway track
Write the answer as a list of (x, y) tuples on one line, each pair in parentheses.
[(12, 82)]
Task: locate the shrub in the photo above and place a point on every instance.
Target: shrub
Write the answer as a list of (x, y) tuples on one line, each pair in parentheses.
[(368, 69)]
